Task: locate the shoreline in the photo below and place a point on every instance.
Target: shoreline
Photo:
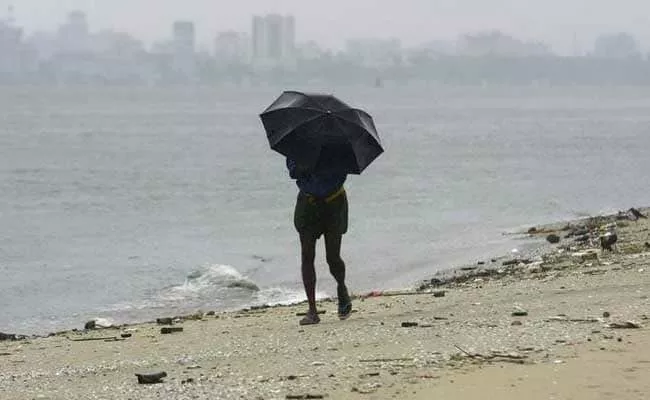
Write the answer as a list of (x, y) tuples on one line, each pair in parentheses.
[(492, 267), (571, 314)]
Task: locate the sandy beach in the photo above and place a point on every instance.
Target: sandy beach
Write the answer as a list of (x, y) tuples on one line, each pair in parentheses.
[(568, 322)]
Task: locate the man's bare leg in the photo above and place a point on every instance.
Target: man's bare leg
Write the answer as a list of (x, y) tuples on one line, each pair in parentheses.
[(337, 269), (308, 255)]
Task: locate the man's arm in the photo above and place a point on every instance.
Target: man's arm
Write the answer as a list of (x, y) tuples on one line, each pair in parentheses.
[(295, 171)]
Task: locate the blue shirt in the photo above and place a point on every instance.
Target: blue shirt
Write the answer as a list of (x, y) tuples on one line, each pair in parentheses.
[(317, 183)]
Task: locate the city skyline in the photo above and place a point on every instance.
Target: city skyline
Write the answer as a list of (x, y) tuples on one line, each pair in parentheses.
[(270, 51), (561, 25)]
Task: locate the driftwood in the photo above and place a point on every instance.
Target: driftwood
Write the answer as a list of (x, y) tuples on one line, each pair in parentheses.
[(104, 339), (498, 357), (385, 359), (560, 318), (624, 325), (396, 293)]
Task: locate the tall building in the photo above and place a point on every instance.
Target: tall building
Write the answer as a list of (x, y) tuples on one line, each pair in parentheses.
[(258, 40), (10, 36), (11, 46), (183, 46), (73, 36), (273, 39), (184, 37)]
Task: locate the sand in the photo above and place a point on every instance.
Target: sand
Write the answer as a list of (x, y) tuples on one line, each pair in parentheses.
[(579, 331)]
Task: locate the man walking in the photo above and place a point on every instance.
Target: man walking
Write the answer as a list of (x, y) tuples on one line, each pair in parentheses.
[(321, 209)]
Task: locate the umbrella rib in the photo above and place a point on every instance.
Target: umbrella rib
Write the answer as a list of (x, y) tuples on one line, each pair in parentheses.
[(290, 108)]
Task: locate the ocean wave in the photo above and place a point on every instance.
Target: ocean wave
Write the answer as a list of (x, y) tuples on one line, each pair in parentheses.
[(210, 281)]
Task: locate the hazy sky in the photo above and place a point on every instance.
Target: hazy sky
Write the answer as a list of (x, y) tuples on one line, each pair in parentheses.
[(330, 22)]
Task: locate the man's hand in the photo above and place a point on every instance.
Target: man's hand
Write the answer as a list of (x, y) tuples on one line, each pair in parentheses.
[(297, 170)]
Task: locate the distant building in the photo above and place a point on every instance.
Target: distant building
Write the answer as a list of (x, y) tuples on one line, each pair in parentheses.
[(183, 46), (374, 52), (496, 43), (617, 45), (10, 36), (232, 48), (184, 38), (117, 45), (273, 40), (309, 51), (17, 59), (73, 36)]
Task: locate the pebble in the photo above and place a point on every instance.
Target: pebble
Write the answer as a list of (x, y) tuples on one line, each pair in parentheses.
[(553, 239)]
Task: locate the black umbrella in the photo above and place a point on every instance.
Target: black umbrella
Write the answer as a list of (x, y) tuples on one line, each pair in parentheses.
[(321, 132)]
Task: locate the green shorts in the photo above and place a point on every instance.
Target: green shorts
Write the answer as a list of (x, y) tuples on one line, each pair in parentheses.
[(316, 217)]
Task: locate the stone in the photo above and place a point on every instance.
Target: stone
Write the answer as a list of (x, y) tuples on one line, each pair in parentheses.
[(606, 314), (624, 325), (516, 323), (164, 321), (171, 329), (553, 238), (8, 336), (409, 324), (151, 378), (519, 312), (90, 325), (608, 241), (439, 293)]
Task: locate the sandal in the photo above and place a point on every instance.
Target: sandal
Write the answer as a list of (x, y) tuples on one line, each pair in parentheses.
[(310, 319), (345, 310), (345, 305)]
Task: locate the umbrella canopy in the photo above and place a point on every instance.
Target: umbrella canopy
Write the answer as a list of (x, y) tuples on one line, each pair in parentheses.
[(321, 132)]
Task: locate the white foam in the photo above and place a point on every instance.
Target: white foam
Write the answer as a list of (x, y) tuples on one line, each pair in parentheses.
[(207, 280), (282, 296)]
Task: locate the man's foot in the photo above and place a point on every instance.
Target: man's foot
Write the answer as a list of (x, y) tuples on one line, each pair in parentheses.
[(311, 318), (345, 304)]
